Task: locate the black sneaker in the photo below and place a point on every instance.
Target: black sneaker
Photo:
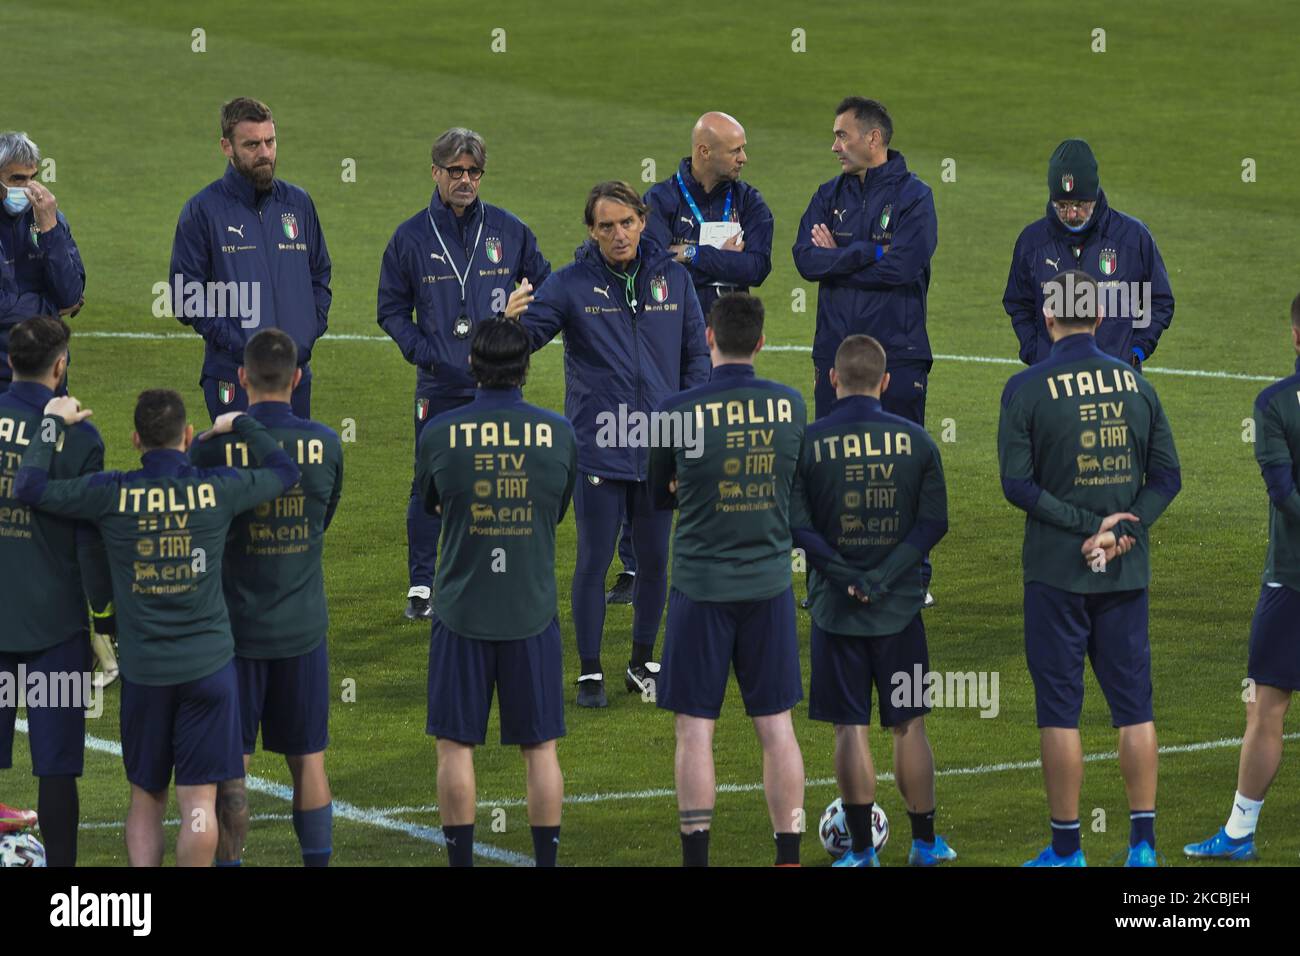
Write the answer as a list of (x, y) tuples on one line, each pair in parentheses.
[(419, 609), (591, 691), (621, 592), (806, 603), (641, 679)]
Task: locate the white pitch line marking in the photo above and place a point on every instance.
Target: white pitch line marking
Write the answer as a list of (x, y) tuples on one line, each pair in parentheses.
[(979, 359), (979, 770), (347, 811)]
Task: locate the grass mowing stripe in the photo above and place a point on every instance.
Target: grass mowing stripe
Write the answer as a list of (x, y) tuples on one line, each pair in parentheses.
[(981, 359), (343, 809), (883, 776)]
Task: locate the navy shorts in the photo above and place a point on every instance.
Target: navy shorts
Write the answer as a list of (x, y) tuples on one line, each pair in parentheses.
[(57, 734), (908, 380), (1275, 639), (289, 699), (193, 727), (845, 666), (527, 673), (1061, 627), (225, 395), (703, 639)]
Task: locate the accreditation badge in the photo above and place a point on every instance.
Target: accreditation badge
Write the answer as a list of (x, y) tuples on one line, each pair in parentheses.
[(462, 327)]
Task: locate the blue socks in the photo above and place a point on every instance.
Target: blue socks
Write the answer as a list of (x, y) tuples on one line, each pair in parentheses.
[(315, 829), (1142, 827), (546, 845), (460, 844), (1065, 837)]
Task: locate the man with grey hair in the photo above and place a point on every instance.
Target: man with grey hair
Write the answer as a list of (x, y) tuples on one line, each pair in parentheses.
[(453, 264), (41, 272)]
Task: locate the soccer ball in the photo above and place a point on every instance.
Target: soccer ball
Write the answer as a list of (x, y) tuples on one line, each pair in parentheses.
[(21, 849), (834, 829)]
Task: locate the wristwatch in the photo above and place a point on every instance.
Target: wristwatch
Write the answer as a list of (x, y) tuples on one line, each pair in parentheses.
[(689, 252)]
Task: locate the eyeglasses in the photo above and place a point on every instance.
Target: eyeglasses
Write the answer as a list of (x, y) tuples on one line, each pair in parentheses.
[(1070, 205), (475, 173)]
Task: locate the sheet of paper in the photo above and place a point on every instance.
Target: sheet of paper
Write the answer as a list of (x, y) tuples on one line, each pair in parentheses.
[(716, 233)]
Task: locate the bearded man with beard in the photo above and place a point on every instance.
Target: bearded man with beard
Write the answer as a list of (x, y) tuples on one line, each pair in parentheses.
[(248, 255)]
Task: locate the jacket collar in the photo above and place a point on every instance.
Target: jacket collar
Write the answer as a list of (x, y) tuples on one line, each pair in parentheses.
[(855, 405), (31, 393), (496, 397), (446, 219), (892, 170), (650, 254), (731, 370), (164, 462), (1078, 344), (272, 413), (693, 184), (238, 186)]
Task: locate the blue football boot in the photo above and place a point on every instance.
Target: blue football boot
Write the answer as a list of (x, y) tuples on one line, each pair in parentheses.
[(1141, 855), (1223, 847), (930, 854), (866, 858), (1049, 858)]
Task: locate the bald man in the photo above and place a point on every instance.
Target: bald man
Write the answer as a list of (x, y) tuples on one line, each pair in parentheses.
[(717, 226)]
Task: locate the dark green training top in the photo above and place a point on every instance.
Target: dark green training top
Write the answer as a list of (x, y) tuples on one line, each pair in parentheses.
[(502, 471), (869, 504), (1083, 436), (46, 562), (1277, 449), (165, 529), (272, 572), (732, 444)]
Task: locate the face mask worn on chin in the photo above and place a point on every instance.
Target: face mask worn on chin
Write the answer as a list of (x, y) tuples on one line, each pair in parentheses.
[(16, 200)]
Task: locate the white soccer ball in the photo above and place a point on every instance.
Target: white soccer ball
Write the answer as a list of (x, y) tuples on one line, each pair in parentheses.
[(21, 849), (834, 829)]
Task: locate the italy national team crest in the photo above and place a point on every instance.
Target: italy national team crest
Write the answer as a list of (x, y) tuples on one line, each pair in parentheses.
[(421, 409), (884, 216), (1067, 183), (225, 392), (290, 223), (659, 288), (1108, 262), (492, 245)]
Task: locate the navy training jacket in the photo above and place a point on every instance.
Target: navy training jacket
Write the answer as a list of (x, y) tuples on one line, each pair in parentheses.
[(616, 355), (40, 273), (671, 221), (1113, 248), (227, 232), (875, 283), (415, 277)]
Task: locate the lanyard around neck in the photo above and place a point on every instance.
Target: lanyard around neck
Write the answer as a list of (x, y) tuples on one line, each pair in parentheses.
[(629, 282), (462, 279), (690, 201)]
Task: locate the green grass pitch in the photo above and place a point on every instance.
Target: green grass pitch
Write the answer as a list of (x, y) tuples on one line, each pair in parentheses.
[(1183, 94)]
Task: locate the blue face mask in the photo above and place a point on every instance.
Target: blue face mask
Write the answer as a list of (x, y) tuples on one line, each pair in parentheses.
[(16, 201), (1078, 228)]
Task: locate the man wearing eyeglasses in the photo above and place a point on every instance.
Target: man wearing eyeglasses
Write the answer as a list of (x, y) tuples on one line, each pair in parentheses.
[(1081, 231), (453, 265)]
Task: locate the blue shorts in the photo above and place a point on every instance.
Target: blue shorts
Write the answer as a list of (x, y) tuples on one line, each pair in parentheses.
[(193, 727), (844, 666), (226, 395), (908, 380), (289, 699), (528, 673), (1061, 627), (1275, 639), (704, 638), (57, 734)]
